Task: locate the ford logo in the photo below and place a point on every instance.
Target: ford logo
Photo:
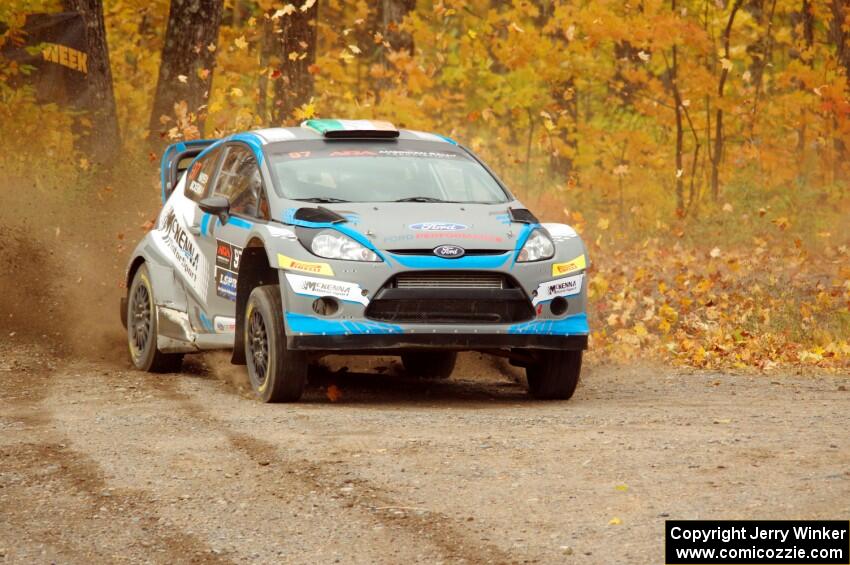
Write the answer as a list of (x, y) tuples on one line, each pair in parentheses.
[(437, 226), (449, 251)]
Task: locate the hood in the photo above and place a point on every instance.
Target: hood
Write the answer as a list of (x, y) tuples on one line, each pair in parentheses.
[(407, 226)]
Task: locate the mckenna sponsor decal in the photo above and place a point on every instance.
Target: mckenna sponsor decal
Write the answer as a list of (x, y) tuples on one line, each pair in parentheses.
[(225, 283), (559, 287), (285, 262), (310, 286), (438, 226), (576, 264), (183, 247)]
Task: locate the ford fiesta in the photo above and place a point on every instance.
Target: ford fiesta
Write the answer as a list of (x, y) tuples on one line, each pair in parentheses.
[(351, 237)]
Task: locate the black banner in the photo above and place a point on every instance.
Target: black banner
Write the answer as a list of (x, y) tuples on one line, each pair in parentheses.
[(55, 46), (744, 542)]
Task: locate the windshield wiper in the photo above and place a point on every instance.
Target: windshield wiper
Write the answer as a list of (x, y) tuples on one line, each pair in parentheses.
[(421, 199), (321, 199)]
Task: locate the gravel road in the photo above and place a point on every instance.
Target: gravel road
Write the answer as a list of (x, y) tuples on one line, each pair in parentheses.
[(100, 463)]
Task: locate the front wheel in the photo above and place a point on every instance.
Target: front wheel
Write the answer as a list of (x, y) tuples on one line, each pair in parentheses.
[(555, 375), (429, 364), (277, 374), (142, 328)]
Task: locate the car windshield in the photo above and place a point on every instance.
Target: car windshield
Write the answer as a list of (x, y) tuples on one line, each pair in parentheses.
[(382, 172)]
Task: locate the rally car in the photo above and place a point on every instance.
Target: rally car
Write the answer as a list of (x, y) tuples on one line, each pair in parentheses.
[(351, 236)]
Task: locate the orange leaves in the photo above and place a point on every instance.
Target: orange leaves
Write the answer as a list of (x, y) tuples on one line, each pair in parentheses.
[(184, 123)]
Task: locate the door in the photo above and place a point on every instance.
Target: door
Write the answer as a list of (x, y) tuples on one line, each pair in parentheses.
[(179, 234), (239, 181)]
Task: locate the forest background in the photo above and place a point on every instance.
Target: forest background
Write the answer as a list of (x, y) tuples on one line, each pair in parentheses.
[(700, 146)]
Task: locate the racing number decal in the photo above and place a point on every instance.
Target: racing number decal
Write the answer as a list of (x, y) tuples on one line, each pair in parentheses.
[(227, 258)]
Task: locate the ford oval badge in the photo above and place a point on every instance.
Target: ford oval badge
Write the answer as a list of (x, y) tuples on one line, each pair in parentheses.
[(449, 251)]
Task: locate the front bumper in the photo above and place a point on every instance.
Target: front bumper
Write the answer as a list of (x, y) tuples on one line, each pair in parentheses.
[(363, 343), (358, 326)]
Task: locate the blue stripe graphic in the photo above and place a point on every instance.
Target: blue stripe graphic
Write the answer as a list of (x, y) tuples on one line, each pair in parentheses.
[(302, 323), (571, 325), (205, 222)]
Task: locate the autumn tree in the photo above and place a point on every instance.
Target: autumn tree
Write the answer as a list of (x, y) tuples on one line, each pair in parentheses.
[(187, 63), (102, 139)]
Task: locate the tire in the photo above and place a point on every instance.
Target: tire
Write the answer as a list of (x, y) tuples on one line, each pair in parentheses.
[(142, 328), (277, 374), (429, 364), (555, 376)]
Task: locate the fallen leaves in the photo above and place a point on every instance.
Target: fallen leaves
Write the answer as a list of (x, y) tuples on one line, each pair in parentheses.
[(731, 311)]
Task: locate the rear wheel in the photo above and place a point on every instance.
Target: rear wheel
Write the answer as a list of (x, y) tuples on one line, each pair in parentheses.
[(555, 375), (430, 364), (142, 328), (277, 374)]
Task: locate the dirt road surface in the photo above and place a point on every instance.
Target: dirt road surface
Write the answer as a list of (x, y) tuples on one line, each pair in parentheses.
[(100, 463)]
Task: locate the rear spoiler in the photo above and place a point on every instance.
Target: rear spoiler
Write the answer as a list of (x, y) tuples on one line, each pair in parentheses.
[(170, 169)]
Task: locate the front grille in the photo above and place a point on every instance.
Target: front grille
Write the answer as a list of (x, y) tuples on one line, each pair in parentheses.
[(449, 280), (441, 297)]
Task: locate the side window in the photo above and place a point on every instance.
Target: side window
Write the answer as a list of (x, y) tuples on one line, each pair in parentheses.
[(199, 177), (239, 180)]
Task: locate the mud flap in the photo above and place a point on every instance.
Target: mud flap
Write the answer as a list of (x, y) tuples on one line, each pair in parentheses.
[(123, 312)]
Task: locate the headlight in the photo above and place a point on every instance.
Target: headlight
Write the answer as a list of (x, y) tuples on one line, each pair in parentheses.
[(537, 247), (334, 245)]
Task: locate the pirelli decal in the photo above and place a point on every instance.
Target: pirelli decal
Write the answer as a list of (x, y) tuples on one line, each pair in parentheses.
[(291, 264), (576, 264)]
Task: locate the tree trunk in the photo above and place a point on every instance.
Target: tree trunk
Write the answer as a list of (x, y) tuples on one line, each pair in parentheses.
[(717, 155), (680, 140), (390, 14), (188, 59), (296, 47), (266, 48), (842, 52), (680, 130), (839, 35), (102, 140), (807, 18), (559, 161)]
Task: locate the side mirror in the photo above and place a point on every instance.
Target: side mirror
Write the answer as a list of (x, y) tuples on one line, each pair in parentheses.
[(217, 206)]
